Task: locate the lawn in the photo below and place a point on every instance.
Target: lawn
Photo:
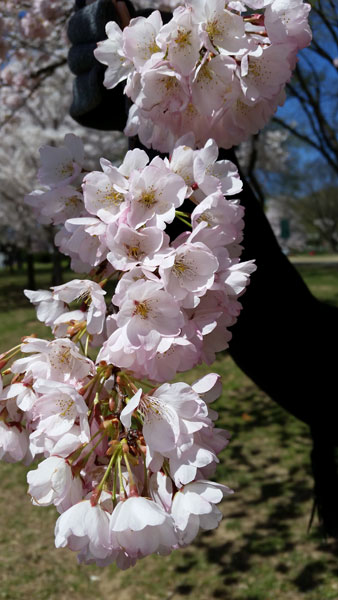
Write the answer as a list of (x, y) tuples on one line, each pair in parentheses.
[(18, 315), (262, 549)]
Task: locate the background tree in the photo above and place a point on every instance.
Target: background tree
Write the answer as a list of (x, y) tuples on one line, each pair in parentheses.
[(33, 45), (262, 157), (277, 165), (36, 93), (317, 213), (311, 111)]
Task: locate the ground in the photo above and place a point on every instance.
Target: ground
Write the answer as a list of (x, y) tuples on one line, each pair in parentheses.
[(262, 549)]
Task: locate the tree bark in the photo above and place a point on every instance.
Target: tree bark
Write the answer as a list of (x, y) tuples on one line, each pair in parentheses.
[(31, 281), (57, 274)]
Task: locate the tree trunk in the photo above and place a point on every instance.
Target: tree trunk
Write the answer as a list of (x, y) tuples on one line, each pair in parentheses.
[(31, 283), (19, 260), (57, 277)]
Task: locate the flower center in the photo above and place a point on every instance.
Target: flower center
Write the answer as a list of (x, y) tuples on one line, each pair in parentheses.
[(179, 267), (205, 217), (170, 83), (66, 170), (66, 405), (148, 198), (113, 196), (133, 251), (64, 357), (141, 309), (213, 29), (153, 47), (183, 37), (72, 201), (204, 73)]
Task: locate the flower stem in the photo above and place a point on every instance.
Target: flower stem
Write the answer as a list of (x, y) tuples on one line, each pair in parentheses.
[(130, 473), (184, 221), (180, 213), (87, 344), (122, 488), (114, 485), (109, 468)]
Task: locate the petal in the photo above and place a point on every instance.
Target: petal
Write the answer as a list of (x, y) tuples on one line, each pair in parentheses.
[(127, 412)]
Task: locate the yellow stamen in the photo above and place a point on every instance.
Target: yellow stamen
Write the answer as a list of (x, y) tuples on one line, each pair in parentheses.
[(142, 309)]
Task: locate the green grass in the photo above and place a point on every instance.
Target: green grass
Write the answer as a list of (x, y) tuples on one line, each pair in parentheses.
[(322, 281), (261, 551), (18, 316)]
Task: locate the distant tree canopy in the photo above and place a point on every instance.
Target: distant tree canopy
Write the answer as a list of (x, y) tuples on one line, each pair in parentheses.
[(318, 213)]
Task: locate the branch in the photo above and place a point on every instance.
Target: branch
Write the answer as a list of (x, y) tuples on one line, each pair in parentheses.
[(321, 13), (251, 169), (305, 138), (317, 49), (42, 74), (49, 69), (308, 113), (327, 132)]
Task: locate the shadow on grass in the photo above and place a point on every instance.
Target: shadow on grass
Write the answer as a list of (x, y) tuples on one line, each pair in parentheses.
[(311, 576), (269, 537), (270, 520)]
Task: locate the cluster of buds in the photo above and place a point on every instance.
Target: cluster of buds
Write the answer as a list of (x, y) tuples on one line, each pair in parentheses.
[(217, 69), (126, 460)]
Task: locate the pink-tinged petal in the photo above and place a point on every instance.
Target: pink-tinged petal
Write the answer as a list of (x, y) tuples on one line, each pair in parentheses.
[(84, 527), (75, 147), (134, 160), (161, 434), (59, 165), (208, 387), (182, 473), (161, 489), (139, 43), (181, 40), (212, 87), (135, 514), (128, 410), (154, 460), (108, 52), (101, 196), (209, 490)]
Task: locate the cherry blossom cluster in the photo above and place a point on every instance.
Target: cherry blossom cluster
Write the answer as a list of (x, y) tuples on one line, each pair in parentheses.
[(126, 456), (174, 298), (217, 69), (125, 468)]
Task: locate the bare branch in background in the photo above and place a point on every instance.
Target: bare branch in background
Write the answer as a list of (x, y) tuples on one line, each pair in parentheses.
[(313, 83)]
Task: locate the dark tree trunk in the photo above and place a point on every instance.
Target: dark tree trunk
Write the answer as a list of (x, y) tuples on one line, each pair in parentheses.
[(19, 260), (57, 275), (31, 283)]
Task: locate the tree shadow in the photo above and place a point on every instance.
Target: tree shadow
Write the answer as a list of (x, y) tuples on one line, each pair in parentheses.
[(271, 503), (311, 576)]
